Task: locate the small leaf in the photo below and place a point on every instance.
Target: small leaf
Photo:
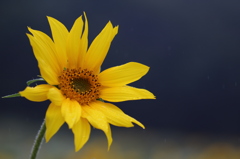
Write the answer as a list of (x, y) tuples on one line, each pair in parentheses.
[(12, 95), (34, 80)]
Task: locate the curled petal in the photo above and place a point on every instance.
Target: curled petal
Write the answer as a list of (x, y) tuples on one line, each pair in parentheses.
[(55, 96), (81, 131), (36, 94), (98, 120), (71, 111), (114, 115), (46, 62), (48, 53), (119, 94), (54, 120), (122, 75)]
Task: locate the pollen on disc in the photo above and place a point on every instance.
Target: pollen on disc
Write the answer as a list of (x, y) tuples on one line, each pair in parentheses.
[(79, 84)]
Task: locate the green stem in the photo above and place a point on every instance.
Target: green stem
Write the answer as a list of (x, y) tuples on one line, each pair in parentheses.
[(38, 141)]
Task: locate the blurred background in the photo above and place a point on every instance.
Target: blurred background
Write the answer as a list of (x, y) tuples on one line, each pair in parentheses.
[(193, 50)]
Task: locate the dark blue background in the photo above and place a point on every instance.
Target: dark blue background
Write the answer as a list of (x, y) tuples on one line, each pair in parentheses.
[(192, 47)]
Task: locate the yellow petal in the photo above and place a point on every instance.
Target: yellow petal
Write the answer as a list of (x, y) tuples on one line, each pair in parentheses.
[(60, 35), (98, 120), (36, 94), (48, 53), (99, 47), (71, 111), (122, 75), (55, 96), (47, 74), (114, 115), (119, 94), (83, 43), (109, 136), (73, 43), (54, 120), (48, 71), (81, 131)]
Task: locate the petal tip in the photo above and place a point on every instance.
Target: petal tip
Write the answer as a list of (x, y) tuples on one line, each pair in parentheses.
[(47, 138), (109, 144), (77, 148), (141, 125), (49, 17)]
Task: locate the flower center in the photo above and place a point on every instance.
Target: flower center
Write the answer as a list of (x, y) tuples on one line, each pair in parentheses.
[(78, 84)]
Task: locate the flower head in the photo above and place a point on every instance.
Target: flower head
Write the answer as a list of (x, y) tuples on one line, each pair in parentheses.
[(76, 87)]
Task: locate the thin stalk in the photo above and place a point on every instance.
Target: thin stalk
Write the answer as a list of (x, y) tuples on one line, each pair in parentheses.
[(38, 141)]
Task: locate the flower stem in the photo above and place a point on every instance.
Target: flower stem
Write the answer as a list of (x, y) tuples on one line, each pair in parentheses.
[(38, 141)]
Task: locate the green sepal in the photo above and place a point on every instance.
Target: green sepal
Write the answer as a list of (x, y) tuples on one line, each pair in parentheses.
[(12, 95), (34, 80), (100, 99)]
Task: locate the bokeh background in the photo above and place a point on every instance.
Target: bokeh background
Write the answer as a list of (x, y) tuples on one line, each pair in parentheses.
[(193, 49)]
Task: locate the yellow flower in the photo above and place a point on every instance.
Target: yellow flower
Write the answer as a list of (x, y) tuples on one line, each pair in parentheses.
[(76, 87)]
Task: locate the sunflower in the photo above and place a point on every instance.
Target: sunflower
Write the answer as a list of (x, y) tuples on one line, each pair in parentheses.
[(75, 85)]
